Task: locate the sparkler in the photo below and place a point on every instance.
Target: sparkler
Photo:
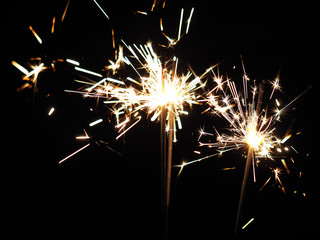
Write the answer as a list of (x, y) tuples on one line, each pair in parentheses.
[(252, 126), (160, 91), (157, 90)]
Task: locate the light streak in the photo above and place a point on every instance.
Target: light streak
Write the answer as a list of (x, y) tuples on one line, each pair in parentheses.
[(183, 164), (114, 80), (113, 41), (53, 24), (143, 13), (87, 71), (65, 11), (35, 34), (275, 85), (161, 25), (31, 76), (250, 221), (285, 165), (101, 9), (180, 24), (153, 5), (51, 111), (189, 20), (86, 136), (286, 138), (73, 62), (74, 153), (128, 128), (95, 122), (229, 168), (21, 68)]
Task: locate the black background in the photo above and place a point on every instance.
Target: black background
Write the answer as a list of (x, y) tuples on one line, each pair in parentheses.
[(99, 194)]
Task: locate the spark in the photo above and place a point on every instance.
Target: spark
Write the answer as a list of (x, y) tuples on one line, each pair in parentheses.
[(86, 136), (88, 71), (275, 85), (100, 9), (161, 25), (21, 68), (119, 59), (229, 168), (180, 24), (265, 184), (250, 221), (114, 80), (31, 76), (113, 41), (95, 122), (65, 11), (183, 164), (74, 153), (53, 24), (277, 173), (285, 165), (73, 62), (295, 150), (128, 128), (36, 35), (51, 111), (189, 20), (153, 5), (142, 12), (286, 138)]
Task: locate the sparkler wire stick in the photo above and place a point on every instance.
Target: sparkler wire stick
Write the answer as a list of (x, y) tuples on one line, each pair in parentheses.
[(163, 170), (250, 158), (166, 156), (170, 147), (163, 165), (166, 164), (243, 187)]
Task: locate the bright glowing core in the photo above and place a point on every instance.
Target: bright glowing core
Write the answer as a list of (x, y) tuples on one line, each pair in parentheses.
[(253, 138)]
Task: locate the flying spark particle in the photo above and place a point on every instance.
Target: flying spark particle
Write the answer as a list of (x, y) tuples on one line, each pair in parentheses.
[(101, 9), (95, 122), (88, 71), (65, 11), (189, 20), (72, 154), (73, 62), (250, 221), (51, 111), (35, 34), (18, 66), (53, 24)]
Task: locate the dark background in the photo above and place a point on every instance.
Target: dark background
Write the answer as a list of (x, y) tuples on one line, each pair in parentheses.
[(100, 194)]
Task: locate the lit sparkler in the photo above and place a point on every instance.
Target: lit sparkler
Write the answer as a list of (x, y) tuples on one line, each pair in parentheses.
[(157, 89), (252, 125), (165, 95)]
